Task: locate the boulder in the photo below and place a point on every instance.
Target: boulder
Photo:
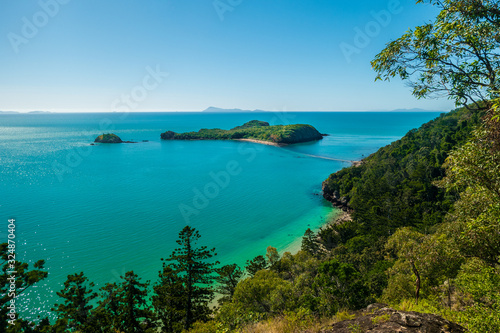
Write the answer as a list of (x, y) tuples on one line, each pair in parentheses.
[(378, 318)]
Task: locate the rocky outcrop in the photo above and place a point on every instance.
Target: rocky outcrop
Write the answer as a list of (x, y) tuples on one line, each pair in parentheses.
[(335, 198), (108, 138), (378, 318)]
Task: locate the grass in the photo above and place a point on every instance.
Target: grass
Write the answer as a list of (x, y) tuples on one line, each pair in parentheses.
[(285, 324), (426, 306), (381, 319)]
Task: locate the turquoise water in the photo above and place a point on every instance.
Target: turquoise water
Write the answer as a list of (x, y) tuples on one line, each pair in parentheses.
[(108, 209)]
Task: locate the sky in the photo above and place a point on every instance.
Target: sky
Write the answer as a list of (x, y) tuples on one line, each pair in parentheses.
[(187, 55)]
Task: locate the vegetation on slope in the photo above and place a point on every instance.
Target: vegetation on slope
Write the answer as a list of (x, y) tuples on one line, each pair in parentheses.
[(256, 130), (108, 138), (393, 187)]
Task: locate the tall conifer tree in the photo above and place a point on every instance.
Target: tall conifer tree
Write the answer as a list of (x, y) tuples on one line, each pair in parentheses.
[(188, 275), (78, 296)]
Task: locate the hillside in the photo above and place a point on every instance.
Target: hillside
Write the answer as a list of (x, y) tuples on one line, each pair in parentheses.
[(253, 130), (394, 187)]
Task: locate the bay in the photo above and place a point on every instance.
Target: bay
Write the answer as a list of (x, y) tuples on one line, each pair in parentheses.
[(108, 209)]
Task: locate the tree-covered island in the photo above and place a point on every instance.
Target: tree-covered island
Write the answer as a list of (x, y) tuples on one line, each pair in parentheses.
[(108, 138), (255, 130)]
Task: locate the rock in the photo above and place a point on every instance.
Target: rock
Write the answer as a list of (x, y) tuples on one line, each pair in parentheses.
[(108, 138), (168, 135), (377, 318), (334, 197)]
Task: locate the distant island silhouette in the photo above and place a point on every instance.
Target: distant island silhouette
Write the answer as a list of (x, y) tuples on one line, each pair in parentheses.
[(215, 109)]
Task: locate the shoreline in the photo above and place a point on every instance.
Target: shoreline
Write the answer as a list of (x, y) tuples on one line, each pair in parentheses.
[(336, 216), (268, 143)]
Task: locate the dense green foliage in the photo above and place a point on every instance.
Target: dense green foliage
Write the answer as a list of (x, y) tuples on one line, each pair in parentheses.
[(227, 279), (255, 129), (180, 297), (187, 276), (252, 123), (77, 295), (456, 56), (256, 264), (394, 188), (108, 138)]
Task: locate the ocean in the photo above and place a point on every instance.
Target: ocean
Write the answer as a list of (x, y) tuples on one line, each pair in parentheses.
[(108, 209)]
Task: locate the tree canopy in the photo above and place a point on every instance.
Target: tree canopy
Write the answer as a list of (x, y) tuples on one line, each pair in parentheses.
[(456, 56), (188, 274)]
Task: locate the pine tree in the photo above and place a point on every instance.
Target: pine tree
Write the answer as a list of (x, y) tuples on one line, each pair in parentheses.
[(310, 243), (24, 279), (106, 315), (169, 300), (256, 264), (189, 265), (272, 255), (227, 279), (77, 295), (133, 312)]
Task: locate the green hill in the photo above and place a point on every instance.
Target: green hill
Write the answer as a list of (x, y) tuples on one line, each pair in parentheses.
[(394, 187), (254, 130), (108, 138)]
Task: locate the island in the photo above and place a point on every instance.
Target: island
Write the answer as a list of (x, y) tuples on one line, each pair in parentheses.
[(108, 138), (253, 131), (213, 109)]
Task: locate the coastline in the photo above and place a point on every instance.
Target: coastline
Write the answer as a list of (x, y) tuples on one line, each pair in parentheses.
[(335, 216), (268, 143)]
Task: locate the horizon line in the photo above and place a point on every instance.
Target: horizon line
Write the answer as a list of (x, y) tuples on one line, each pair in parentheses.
[(197, 111)]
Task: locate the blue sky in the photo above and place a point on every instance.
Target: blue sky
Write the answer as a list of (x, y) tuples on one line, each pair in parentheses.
[(186, 55)]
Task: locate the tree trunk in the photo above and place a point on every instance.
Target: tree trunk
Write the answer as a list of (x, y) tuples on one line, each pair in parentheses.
[(417, 282)]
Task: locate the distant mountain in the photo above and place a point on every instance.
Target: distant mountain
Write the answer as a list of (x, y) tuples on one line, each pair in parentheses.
[(214, 109), (31, 112)]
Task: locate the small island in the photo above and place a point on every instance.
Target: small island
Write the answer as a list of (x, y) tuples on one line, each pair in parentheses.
[(108, 138), (254, 131)]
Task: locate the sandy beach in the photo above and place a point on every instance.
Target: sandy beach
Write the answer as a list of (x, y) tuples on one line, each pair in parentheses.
[(269, 143)]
